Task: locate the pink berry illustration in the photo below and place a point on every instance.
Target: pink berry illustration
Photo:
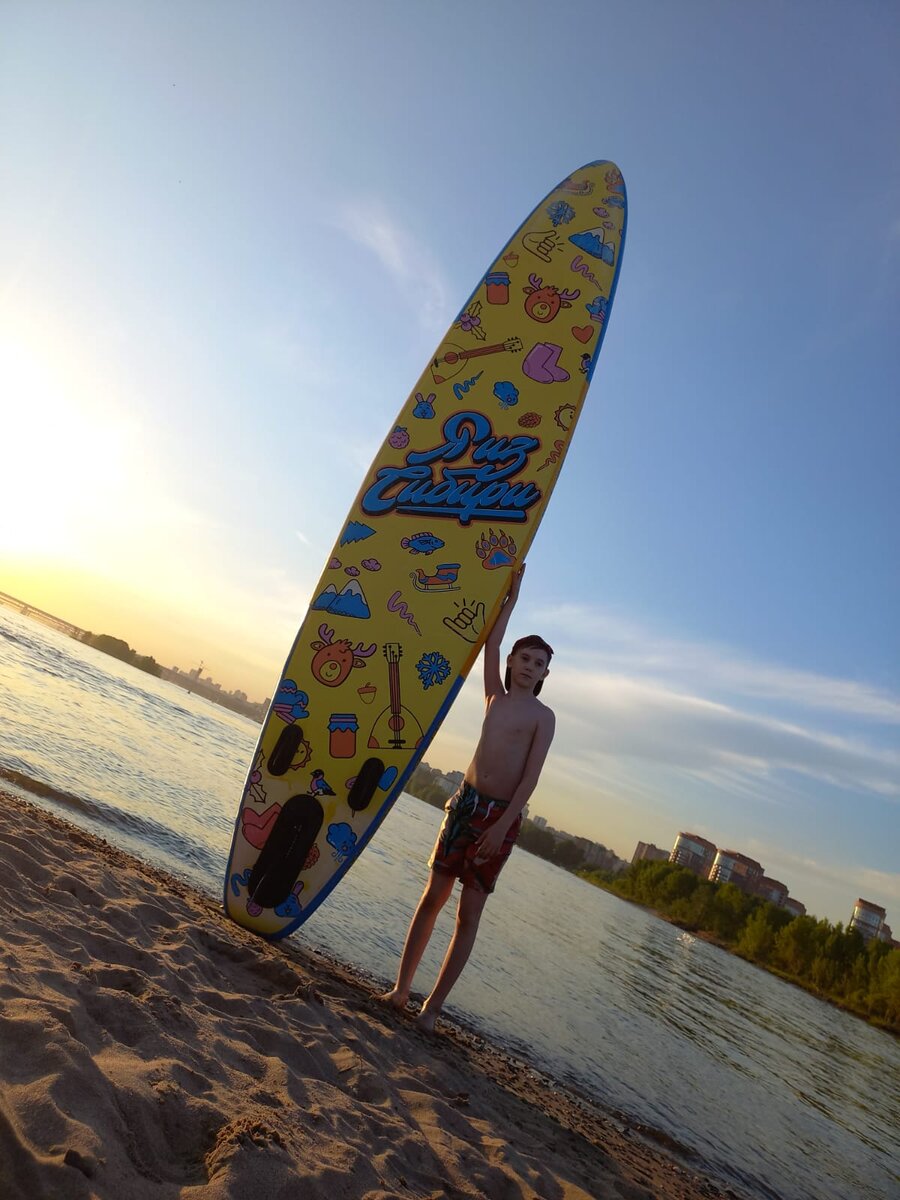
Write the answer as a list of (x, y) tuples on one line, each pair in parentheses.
[(399, 438)]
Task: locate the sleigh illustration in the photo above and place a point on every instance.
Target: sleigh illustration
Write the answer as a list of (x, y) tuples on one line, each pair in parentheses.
[(443, 579)]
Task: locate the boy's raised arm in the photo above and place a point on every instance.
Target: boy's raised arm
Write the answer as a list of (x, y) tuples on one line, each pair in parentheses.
[(493, 682)]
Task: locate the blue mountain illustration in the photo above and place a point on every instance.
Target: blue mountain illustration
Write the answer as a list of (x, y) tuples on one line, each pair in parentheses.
[(326, 598), (348, 602), (591, 242)]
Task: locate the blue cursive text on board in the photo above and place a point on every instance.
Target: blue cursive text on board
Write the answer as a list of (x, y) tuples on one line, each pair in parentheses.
[(481, 490)]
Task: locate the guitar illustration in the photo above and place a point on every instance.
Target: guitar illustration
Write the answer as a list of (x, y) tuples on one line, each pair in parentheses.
[(395, 726), (451, 359)]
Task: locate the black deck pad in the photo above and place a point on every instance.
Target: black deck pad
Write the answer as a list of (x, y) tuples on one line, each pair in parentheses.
[(282, 857), (368, 779), (285, 748)]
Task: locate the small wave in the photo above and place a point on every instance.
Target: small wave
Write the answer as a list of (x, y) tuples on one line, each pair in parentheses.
[(17, 638), (150, 835), (53, 674), (46, 791)]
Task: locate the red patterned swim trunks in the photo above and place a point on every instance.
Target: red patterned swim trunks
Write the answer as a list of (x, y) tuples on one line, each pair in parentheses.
[(467, 815)]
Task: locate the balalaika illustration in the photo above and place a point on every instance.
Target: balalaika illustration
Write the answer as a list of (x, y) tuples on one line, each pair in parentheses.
[(395, 726)]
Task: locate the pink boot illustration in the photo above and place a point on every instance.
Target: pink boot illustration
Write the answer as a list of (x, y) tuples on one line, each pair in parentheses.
[(542, 364)]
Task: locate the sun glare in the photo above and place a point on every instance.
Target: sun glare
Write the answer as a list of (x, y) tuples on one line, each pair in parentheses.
[(62, 460)]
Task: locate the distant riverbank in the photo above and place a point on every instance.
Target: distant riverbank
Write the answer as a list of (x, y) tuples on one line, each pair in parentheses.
[(828, 961)]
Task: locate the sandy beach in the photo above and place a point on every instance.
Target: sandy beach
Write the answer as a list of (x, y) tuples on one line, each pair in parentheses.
[(151, 1048)]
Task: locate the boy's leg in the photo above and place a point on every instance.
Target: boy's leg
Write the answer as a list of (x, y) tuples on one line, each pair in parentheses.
[(435, 896), (468, 915)]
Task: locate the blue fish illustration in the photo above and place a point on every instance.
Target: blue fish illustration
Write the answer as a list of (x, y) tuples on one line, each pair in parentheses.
[(422, 543)]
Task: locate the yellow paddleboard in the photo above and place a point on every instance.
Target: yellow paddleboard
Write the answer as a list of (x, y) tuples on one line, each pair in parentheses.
[(445, 513)]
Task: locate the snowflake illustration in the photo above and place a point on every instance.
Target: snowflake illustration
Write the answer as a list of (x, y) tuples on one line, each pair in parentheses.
[(432, 668), (560, 213)]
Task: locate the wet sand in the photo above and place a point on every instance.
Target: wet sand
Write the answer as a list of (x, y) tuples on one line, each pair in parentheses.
[(151, 1048)]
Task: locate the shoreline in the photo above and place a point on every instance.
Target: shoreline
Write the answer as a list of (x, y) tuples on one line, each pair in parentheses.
[(151, 1047)]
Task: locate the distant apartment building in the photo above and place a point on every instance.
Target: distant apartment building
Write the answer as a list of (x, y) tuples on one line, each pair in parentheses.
[(539, 822), (693, 852), (447, 781), (646, 850), (593, 854), (772, 890), (455, 778), (729, 866), (869, 920)]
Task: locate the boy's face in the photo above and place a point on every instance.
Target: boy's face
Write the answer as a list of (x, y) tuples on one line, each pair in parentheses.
[(527, 667)]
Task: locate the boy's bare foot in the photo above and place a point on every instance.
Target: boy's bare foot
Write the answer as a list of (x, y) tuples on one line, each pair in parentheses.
[(395, 999), (425, 1020)]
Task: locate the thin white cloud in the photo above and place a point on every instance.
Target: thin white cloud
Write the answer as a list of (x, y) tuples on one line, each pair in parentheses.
[(657, 725), (410, 264), (877, 883), (613, 644), (849, 877)]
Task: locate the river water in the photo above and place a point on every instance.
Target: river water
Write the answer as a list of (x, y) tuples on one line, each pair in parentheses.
[(775, 1091)]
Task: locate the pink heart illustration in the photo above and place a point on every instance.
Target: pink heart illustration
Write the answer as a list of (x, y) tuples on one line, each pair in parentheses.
[(584, 333), (256, 827)]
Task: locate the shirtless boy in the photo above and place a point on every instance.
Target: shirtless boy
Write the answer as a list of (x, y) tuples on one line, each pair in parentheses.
[(482, 820)]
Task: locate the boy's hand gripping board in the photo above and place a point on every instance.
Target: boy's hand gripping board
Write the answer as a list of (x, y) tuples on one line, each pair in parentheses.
[(447, 509)]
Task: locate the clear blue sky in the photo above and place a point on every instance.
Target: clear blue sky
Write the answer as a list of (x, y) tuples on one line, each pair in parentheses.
[(231, 235)]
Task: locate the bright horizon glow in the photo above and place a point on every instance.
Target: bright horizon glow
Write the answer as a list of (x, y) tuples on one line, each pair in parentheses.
[(228, 245), (80, 453)]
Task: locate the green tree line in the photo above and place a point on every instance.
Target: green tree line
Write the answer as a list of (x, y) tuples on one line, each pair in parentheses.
[(832, 962), (119, 649)]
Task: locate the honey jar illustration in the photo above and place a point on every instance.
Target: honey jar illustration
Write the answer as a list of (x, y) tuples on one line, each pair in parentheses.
[(342, 729), (497, 285)]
